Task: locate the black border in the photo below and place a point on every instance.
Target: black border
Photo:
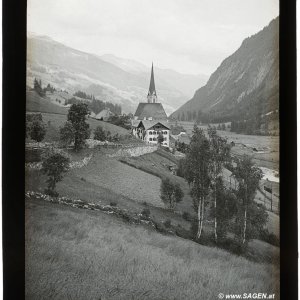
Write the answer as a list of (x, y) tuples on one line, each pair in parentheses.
[(288, 152), (13, 152), (14, 87)]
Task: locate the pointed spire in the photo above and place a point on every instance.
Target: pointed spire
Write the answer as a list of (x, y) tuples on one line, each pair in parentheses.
[(152, 91)]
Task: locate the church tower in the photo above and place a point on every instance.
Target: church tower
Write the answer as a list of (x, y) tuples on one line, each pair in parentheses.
[(152, 97)]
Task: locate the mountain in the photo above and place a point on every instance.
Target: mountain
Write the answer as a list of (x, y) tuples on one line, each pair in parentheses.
[(245, 85), (185, 83), (106, 78)]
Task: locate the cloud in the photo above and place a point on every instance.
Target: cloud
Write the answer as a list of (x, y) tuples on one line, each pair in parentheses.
[(190, 36)]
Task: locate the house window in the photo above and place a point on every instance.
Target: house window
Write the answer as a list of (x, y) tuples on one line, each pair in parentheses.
[(165, 132), (154, 139), (165, 139), (150, 139), (150, 132)]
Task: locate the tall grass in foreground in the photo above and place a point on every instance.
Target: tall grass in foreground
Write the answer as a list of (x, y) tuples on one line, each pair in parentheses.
[(76, 254)]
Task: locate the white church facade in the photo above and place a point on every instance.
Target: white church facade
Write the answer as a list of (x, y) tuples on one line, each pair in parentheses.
[(150, 122)]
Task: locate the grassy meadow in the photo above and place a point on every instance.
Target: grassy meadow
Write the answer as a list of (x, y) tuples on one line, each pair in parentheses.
[(76, 253), (244, 144), (80, 254)]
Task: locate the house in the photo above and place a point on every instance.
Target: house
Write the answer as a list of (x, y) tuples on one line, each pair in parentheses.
[(104, 115), (150, 118), (149, 131)]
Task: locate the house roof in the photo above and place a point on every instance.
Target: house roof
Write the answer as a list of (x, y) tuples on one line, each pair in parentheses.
[(148, 110), (135, 123), (104, 113), (148, 124), (184, 138)]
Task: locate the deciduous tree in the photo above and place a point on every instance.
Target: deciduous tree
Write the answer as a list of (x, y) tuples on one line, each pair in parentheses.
[(198, 161), (77, 116), (67, 133), (220, 153), (54, 165), (170, 193), (248, 177)]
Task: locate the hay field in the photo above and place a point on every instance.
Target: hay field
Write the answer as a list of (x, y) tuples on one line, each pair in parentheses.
[(104, 178), (157, 163), (80, 254)]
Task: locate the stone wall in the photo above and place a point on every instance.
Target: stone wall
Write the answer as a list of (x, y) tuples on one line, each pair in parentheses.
[(134, 151)]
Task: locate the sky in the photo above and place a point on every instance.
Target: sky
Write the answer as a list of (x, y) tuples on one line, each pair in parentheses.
[(188, 36)]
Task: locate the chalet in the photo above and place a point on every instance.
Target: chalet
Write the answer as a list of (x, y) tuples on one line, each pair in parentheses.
[(149, 131), (104, 115), (150, 119)]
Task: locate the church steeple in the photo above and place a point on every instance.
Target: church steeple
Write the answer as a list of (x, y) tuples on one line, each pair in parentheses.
[(152, 97)]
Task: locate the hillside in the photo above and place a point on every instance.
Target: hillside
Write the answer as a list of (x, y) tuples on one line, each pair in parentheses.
[(80, 254), (245, 85), (69, 69), (35, 103)]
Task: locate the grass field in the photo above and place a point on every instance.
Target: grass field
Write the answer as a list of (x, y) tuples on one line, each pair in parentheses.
[(157, 163), (80, 254), (55, 121), (55, 117), (104, 174), (35, 103), (246, 143)]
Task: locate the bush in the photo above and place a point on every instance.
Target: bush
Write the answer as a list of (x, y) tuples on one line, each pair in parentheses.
[(145, 203), (270, 238), (146, 212), (37, 130), (167, 223), (99, 134), (113, 203)]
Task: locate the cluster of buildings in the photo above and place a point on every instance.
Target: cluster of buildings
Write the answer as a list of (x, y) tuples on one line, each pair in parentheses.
[(150, 122)]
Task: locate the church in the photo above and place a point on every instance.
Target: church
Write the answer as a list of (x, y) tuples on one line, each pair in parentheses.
[(150, 119)]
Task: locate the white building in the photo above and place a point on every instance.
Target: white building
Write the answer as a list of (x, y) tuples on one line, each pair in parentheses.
[(150, 119), (149, 131)]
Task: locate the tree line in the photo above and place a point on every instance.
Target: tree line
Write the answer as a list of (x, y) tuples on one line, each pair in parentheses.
[(95, 105), (232, 210)]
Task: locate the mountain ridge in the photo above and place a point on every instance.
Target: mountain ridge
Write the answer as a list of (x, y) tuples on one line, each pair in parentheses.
[(71, 69), (245, 84)]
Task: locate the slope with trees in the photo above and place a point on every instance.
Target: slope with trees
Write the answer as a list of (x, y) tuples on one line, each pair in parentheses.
[(244, 87)]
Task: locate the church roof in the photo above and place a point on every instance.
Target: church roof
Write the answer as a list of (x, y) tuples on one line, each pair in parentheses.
[(152, 90), (148, 110)]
